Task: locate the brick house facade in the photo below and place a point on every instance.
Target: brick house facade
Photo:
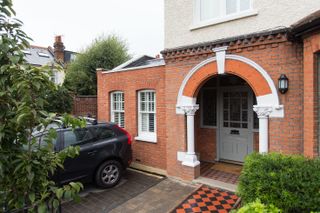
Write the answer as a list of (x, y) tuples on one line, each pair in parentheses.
[(218, 100)]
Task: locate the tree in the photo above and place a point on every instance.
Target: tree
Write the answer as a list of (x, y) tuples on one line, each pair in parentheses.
[(105, 52), (58, 101), (25, 165)]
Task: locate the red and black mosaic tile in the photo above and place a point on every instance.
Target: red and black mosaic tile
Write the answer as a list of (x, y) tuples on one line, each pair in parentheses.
[(208, 200)]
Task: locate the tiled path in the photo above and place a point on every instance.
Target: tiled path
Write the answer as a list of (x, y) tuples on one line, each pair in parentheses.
[(208, 200), (208, 170)]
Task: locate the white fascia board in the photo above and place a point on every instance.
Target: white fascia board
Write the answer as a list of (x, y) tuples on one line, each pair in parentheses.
[(132, 68)]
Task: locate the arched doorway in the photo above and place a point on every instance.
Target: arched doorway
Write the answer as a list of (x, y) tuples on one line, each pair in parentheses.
[(225, 124), (252, 73)]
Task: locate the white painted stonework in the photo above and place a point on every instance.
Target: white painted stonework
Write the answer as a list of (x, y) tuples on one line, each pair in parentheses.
[(221, 58), (190, 158), (263, 113), (265, 15)]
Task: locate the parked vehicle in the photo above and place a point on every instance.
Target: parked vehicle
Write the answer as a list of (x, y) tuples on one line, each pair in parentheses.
[(105, 152)]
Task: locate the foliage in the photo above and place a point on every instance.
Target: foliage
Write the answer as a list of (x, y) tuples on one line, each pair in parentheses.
[(289, 182), (58, 100), (258, 207), (24, 171), (105, 52)]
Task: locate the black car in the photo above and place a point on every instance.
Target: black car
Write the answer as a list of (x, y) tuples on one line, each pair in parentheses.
[(105, 152)]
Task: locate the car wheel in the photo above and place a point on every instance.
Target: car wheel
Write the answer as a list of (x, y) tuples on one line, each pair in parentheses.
[(109, 174)]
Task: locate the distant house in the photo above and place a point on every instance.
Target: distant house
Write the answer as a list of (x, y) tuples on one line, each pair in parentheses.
[(41, 56)]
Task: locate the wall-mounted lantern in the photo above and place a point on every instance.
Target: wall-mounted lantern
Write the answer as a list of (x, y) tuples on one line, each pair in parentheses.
[(283, 84)]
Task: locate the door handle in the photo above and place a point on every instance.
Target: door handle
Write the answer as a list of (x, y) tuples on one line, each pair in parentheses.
[(92, 152), (234, 132)]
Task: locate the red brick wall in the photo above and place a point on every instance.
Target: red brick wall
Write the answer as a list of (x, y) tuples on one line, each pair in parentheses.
[(311, 47), (84, 105), (205, 139), (130, 82), (285, 134)]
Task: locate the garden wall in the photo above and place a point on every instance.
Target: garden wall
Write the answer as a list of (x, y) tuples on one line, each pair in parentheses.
[(84, 105)]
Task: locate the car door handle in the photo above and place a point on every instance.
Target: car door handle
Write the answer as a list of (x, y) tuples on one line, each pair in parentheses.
[(92, 152)]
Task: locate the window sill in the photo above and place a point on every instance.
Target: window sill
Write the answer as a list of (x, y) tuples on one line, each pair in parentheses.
[(146, 139), (228, 18)]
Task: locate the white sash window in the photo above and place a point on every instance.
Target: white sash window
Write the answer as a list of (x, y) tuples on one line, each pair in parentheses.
[(208, 12), (147, 116), (117, 108)]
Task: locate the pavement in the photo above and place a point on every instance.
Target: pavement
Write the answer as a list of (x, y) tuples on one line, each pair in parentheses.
[(137, 192), (140, 192)]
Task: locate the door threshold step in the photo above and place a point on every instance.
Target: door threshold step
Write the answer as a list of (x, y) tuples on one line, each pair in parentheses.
[(216, 183)]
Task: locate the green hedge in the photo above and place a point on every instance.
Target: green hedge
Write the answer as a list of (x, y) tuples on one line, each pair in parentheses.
[(258, 207), (290, 182)]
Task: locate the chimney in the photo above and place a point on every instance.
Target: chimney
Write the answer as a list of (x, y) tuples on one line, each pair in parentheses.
[(58, 49)]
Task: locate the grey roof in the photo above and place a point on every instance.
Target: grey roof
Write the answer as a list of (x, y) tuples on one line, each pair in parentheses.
[(140, 62), (39, 56)]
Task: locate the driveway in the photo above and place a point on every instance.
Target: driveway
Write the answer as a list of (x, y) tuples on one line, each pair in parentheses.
[(137, 192)]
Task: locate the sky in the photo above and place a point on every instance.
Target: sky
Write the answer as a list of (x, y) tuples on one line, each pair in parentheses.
[(139, 22)]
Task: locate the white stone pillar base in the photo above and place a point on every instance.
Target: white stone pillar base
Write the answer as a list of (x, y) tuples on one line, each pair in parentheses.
[(190, 160)]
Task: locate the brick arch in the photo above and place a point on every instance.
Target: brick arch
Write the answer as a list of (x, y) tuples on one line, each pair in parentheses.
[(257, 82)]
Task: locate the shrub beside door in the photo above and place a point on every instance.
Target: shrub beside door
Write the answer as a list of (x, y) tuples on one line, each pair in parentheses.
[(290, 182)]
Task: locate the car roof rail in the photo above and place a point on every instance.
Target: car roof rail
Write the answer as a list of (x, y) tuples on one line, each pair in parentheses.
[(90, 120)]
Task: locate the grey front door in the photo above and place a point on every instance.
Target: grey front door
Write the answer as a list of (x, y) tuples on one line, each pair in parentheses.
[(235, 124)]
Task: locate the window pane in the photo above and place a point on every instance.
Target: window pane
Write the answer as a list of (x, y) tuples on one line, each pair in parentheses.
[(209, 9), (142, 96), (76, 137), (244, 116), (103, 132), (144, 121), (147, 111), (42, 141), (121, 123), (244, 5), (231, 6), (209, 113), (117, 108), (143, 106), (235, 109), (151, 122)]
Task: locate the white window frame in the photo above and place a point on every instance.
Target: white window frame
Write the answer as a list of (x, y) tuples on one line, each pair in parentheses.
[(113, 111), (146, 135), (198, 23)]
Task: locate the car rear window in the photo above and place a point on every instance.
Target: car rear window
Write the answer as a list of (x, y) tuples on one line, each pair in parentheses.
[(103, 132)]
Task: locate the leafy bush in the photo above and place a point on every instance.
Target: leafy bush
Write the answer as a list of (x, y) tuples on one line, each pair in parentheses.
[(289, 182), (24, 171), (258, 207), (58, 100)]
